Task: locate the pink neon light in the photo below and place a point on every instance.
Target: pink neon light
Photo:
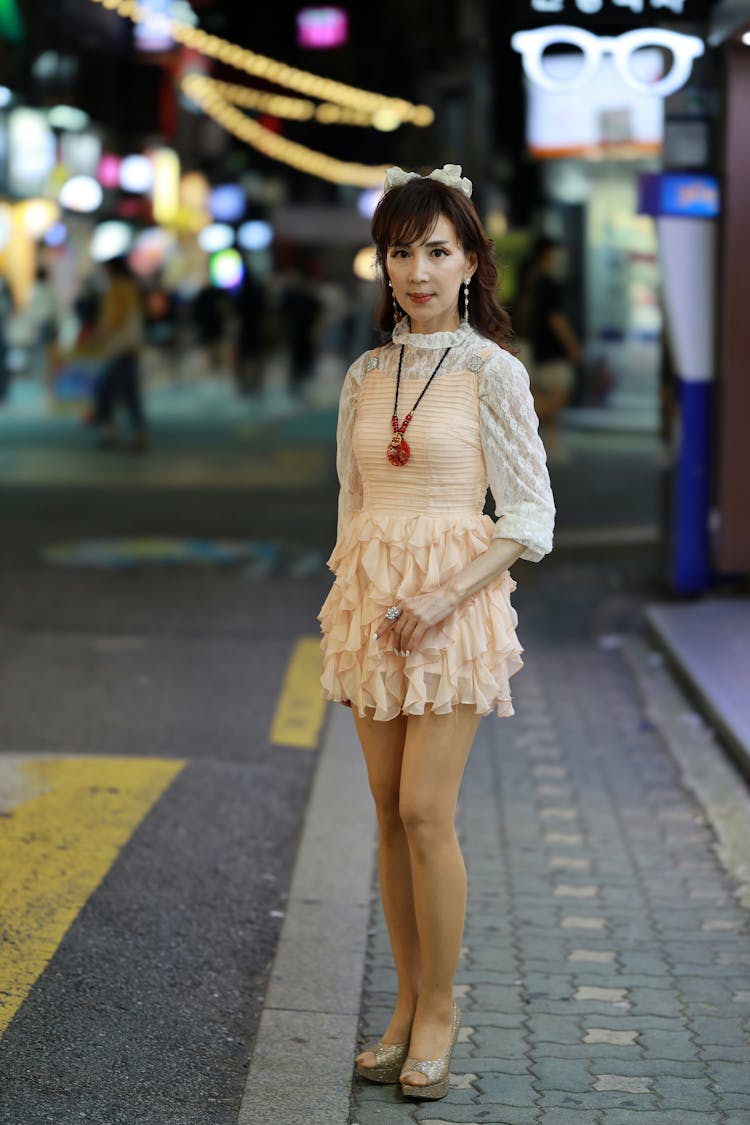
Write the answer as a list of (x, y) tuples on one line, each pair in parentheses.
[(108, 173), (322, 27)]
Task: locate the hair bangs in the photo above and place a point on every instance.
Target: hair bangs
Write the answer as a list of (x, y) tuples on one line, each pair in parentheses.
[(406, 216)]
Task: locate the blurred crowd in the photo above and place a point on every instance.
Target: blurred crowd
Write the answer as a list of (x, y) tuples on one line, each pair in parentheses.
[(90, 350)]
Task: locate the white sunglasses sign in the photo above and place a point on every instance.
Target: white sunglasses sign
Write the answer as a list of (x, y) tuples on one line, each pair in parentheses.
[(592, 7), (532, 44)]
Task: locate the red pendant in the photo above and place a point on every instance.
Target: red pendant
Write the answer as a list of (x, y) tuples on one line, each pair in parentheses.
[(398, 451)]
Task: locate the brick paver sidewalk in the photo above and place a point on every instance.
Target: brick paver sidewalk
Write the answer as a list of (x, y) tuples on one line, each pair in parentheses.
[(605, 976)]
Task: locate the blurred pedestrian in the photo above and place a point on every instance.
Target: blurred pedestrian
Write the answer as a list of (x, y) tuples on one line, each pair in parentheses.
[(543, 325), (210, 313), (86, 308), (418, 629), (42, 313), (301, 309), (251, 310), (119, 341)]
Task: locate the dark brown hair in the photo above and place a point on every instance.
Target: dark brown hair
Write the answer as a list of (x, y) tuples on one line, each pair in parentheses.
[(408, 214)]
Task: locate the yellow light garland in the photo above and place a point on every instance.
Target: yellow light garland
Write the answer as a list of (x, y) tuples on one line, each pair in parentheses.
[(294, 109), (204, 92), (281, 74)]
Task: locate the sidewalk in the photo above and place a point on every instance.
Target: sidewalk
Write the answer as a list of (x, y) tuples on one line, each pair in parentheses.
[(605, 975)]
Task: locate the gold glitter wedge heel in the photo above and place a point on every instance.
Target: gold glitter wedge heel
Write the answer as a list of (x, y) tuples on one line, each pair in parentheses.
[(436, 1071), (389, 1059)]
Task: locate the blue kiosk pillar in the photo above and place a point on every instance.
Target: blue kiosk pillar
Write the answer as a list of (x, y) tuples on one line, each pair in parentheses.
[(686, 209)]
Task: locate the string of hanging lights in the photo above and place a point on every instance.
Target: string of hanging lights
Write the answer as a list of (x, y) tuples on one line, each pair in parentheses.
[(340, 104), (292, 78), (204, 92), (292, 109)]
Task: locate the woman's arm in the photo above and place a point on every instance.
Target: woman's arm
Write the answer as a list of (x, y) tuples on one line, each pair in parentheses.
[(350, 490), (424, 610), (485, 568)]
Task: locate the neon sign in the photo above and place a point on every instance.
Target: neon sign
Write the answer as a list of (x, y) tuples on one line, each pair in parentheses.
[(680, 194), (592, 7), (322, 27), (532, 45)]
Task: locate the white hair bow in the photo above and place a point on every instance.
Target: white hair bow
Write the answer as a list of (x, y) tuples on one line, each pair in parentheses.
[(449, 174)]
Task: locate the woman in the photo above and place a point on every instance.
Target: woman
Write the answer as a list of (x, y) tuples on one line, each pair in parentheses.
[(418, 629)]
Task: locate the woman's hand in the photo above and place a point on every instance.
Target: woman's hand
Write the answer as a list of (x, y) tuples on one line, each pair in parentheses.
[(418, 613)]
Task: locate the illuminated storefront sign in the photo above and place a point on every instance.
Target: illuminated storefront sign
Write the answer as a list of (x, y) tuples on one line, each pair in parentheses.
[(68, 117), (166, 192), (150, 250), (227, 203), (593, 7), (680, 194), (226, 269), (136, 174), (80, 153), (216, 237), (82, 194), (108, 172), (11, 24), (532, 45), (31, 150), (322, 27), (255, 234), (37, 216), (110, 240)]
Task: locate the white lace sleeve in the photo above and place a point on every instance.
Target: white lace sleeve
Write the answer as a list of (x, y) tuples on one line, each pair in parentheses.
[(515, 456), (350, 483)]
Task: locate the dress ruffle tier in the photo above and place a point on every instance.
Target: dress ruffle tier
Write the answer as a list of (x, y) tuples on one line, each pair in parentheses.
[(467, 658)]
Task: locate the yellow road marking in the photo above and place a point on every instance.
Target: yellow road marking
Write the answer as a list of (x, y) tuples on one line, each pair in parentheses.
[(300, 709), (56, 846)]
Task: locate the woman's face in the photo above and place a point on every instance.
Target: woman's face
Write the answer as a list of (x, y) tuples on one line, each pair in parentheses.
[(426, 277)]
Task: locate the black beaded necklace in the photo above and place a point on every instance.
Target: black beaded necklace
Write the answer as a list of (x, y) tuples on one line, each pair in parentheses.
[(398, 451)]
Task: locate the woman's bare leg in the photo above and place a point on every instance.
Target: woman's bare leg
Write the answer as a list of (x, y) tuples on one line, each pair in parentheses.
[(435, 754), (383, 747)]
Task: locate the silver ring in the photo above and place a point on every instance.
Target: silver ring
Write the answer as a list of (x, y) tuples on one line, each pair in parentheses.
[(393, 612)]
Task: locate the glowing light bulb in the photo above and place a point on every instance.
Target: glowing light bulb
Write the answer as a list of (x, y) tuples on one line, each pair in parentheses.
[(364, 264), (110, 240), (136, 174), (81, 193), (386, 120), (216, 237)]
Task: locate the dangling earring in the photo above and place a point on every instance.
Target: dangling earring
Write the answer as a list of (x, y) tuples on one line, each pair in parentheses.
[(396, 309), (466, 299)]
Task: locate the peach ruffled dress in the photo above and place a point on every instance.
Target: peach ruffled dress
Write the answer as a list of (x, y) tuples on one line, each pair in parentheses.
[(409, 529)]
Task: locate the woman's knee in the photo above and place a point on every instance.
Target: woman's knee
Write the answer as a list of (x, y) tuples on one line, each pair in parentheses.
[(425, 820)]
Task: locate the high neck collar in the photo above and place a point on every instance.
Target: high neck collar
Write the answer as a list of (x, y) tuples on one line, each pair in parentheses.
[(402, 334)]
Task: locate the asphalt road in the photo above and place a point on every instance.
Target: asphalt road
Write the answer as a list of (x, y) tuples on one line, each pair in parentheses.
[(146, 1012)]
